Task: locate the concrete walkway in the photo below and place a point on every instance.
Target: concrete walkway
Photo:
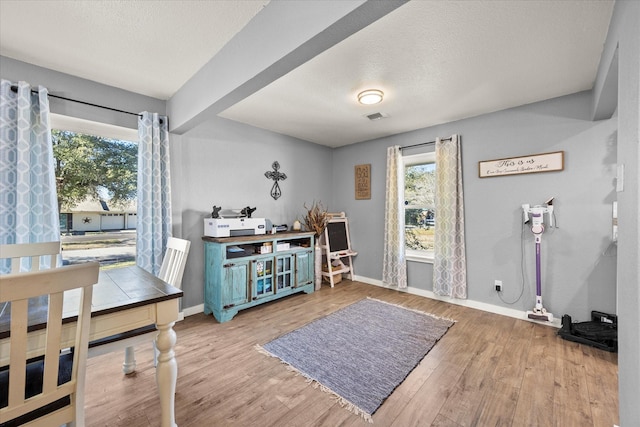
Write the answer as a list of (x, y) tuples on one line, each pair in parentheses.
[(104, 256), (108, 254)]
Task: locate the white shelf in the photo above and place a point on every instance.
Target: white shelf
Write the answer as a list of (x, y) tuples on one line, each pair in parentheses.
[(338, 255), (342, 270)]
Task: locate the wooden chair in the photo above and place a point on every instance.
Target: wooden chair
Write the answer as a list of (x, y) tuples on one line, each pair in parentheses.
[(36, 252), (174, 261), (49, 390), (171, 271)]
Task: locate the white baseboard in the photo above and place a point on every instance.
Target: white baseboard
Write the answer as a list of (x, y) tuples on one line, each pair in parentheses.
[(190, 311), (504, 311), (478, 305)]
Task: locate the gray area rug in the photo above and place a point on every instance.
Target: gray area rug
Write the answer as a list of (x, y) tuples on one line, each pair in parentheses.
[(361, 352)]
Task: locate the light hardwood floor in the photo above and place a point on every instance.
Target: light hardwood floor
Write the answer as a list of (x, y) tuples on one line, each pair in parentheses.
[(487, 370)]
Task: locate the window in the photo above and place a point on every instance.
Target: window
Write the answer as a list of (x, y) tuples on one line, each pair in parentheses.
[(419, 206), (96, 175)]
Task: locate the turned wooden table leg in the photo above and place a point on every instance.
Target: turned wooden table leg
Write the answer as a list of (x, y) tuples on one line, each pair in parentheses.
[(167, 373)]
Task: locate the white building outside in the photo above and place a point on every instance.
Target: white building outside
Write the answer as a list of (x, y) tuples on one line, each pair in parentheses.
[(98, 215)]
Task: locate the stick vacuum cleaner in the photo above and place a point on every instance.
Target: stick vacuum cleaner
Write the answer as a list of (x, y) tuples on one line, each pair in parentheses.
[(537, 228)]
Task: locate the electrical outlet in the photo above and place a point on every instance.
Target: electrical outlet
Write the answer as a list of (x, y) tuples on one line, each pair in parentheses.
[(498, 285)]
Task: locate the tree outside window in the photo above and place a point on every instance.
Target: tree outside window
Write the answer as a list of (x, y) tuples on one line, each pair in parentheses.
[(96, 181), (419, 204), (92, 167)]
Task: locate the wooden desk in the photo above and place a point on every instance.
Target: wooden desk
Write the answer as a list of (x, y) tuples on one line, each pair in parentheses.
[(123, 299)]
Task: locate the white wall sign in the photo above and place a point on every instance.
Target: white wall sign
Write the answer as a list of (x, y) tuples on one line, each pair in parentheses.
[(534, 163)]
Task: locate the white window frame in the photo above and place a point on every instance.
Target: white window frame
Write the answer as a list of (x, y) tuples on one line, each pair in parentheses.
[(417, 159), (89, 127)]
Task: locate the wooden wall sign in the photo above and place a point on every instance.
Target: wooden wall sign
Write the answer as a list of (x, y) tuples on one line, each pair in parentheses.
[(363, 182), (534, 163)]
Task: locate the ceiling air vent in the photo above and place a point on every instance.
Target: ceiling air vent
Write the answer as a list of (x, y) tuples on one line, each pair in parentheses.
[(376, 116)]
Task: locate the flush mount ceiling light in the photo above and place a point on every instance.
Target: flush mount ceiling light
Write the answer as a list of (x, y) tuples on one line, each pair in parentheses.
[(370, 96)]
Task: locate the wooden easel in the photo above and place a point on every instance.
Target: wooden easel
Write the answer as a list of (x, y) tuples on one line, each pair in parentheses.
[(336, 247)]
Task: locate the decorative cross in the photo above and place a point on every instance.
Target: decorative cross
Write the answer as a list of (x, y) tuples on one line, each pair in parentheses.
[(276, 176)]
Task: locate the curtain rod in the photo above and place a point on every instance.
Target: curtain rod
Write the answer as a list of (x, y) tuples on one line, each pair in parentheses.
[(15, 89), (424, 143)]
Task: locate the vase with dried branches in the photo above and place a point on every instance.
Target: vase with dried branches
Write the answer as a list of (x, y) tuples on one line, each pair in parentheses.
[(316, 220)]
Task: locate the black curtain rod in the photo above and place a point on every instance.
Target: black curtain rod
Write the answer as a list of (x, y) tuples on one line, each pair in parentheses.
[(15, 89), (424, 143)]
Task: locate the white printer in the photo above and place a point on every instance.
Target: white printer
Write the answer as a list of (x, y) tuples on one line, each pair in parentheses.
[(226, 227)]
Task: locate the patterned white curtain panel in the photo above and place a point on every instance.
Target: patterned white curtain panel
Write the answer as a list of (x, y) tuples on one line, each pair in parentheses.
[(28, 198), (154, 191), (394, 263), (449, 265)]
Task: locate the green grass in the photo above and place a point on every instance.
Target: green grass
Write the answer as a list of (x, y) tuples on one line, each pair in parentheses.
[(420, 239), (95, 244), (117, 265)]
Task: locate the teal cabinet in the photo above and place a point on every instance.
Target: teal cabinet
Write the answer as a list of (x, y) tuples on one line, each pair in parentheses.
[(304, 268), (241, 272)]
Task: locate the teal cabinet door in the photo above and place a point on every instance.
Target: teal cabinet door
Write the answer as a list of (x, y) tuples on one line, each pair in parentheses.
[(235, 291), (284, 272), (262, 277), (304, 268)]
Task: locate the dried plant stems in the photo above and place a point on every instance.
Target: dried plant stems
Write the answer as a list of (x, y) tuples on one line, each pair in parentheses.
[(316, 218)]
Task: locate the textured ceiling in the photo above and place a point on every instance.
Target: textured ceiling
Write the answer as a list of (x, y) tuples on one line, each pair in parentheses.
[(149, 47), (436, 61)]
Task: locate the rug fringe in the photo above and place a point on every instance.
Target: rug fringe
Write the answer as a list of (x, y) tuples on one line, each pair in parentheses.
[(414, 310), (354, 409)]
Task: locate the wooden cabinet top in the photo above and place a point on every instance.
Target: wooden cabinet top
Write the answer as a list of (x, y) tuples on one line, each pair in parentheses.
[(259, 237)]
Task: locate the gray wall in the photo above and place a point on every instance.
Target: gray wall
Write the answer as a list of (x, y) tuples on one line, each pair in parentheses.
[(82, 90), (579, 264), (223, 163), (624, 35)]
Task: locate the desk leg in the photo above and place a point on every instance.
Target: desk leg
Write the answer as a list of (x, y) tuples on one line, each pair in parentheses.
[(167, 373), (129, 365)]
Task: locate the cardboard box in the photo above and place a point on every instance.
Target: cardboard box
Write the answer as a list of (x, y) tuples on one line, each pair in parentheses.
[(264, 249)]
